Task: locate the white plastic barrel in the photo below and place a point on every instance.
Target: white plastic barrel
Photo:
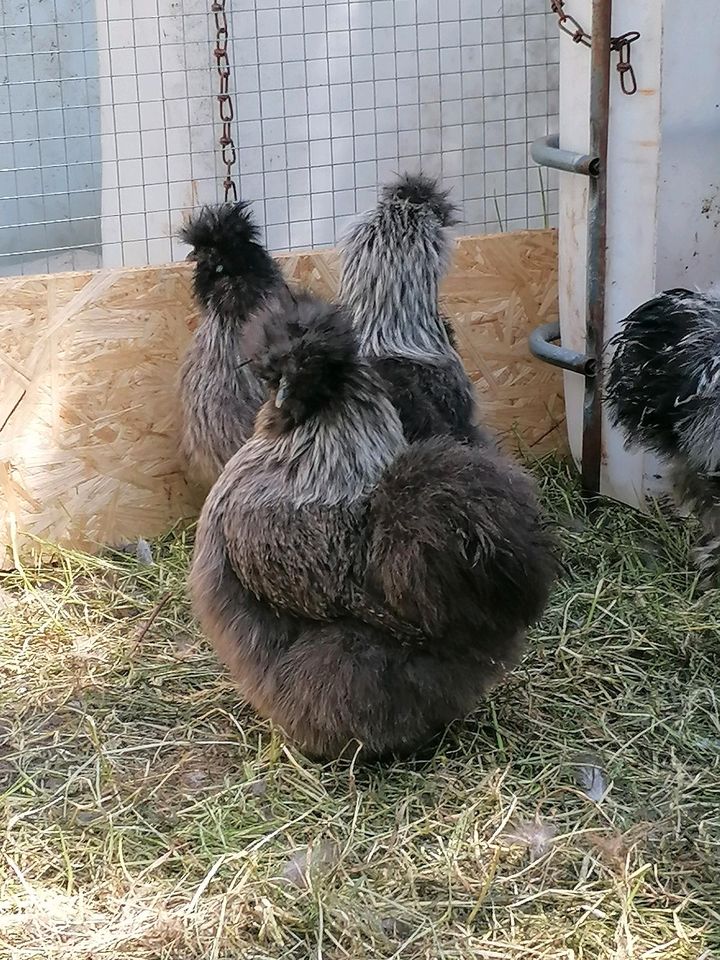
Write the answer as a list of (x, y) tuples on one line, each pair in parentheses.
[(663, 190)]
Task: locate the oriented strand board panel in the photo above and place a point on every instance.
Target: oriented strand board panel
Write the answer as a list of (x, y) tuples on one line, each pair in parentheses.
[(88, 364), (501, 288), (88, 368)]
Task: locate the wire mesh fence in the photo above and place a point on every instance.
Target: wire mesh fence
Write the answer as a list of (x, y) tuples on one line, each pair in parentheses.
[(109, 120)]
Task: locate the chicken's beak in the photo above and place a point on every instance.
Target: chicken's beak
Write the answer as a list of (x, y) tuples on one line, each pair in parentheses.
[(282, 392)]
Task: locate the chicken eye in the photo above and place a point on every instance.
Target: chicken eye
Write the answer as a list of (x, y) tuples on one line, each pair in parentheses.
[(268, 377)]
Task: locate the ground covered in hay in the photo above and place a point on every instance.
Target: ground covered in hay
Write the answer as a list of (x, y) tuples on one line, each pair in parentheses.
[(144, 813)]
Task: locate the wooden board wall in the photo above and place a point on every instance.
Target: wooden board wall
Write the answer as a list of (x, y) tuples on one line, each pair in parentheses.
[(88, 365)]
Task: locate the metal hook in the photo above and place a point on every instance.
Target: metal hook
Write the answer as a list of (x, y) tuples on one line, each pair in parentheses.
[(628, 81)]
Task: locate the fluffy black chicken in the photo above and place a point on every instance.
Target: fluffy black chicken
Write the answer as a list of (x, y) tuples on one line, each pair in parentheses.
[(220, 395), (664, 392), (393, 262), (360, 588)]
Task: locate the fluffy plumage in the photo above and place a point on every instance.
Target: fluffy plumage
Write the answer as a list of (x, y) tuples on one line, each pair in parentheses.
[(664, 392), (393, 262), (220, 396), (360, 588)]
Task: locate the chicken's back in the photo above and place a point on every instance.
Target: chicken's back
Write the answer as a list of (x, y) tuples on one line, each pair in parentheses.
[(459, 544), (431, 399)]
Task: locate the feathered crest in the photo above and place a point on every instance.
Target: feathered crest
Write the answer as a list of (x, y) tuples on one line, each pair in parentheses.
[(304, 348), (423, 192), (233, 270), (220, 228)]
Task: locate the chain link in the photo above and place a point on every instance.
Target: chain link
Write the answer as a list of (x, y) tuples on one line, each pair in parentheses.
[(620, 45), (224, 98)]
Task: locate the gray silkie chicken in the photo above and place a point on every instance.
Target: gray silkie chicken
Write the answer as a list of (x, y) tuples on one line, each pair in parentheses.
[(663, 390), (361, 589), (393, 262), (220, 395)]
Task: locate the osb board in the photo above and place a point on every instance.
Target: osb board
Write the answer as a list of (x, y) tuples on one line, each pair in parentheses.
[(88, 365)]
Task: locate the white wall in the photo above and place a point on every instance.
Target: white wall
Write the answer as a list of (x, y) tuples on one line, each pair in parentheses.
[(688, 247), (335, 96), (331, 96), (158, 148), (49, 133)]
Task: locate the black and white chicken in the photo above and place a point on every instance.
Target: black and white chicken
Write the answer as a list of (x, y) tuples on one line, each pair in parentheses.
[(663, 390)]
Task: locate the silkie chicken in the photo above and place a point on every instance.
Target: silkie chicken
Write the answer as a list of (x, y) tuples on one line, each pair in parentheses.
[(361, 589), (393, 262), (663, 390), (219, 393)]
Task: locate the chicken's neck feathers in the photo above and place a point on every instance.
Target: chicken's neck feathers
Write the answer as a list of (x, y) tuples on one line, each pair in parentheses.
[(390, 284), (331, 459)]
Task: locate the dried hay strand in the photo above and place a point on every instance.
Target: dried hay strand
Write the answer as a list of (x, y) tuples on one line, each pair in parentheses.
[(88, 367), (149, 815)]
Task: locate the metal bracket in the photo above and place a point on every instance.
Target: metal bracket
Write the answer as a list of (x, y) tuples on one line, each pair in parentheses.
[(543, 344), (546, 152), (544, 340)]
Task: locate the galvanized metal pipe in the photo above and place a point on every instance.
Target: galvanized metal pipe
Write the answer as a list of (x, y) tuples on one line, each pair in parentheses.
[(544, 344), (547, 152), (597, 243)]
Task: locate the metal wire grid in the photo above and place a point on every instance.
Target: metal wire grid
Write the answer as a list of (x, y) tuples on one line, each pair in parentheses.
[(335, 97), (108, 119), (106, 128)]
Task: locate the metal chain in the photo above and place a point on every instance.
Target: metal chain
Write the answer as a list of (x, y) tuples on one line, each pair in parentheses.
[(620, 45), (225, 101)]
